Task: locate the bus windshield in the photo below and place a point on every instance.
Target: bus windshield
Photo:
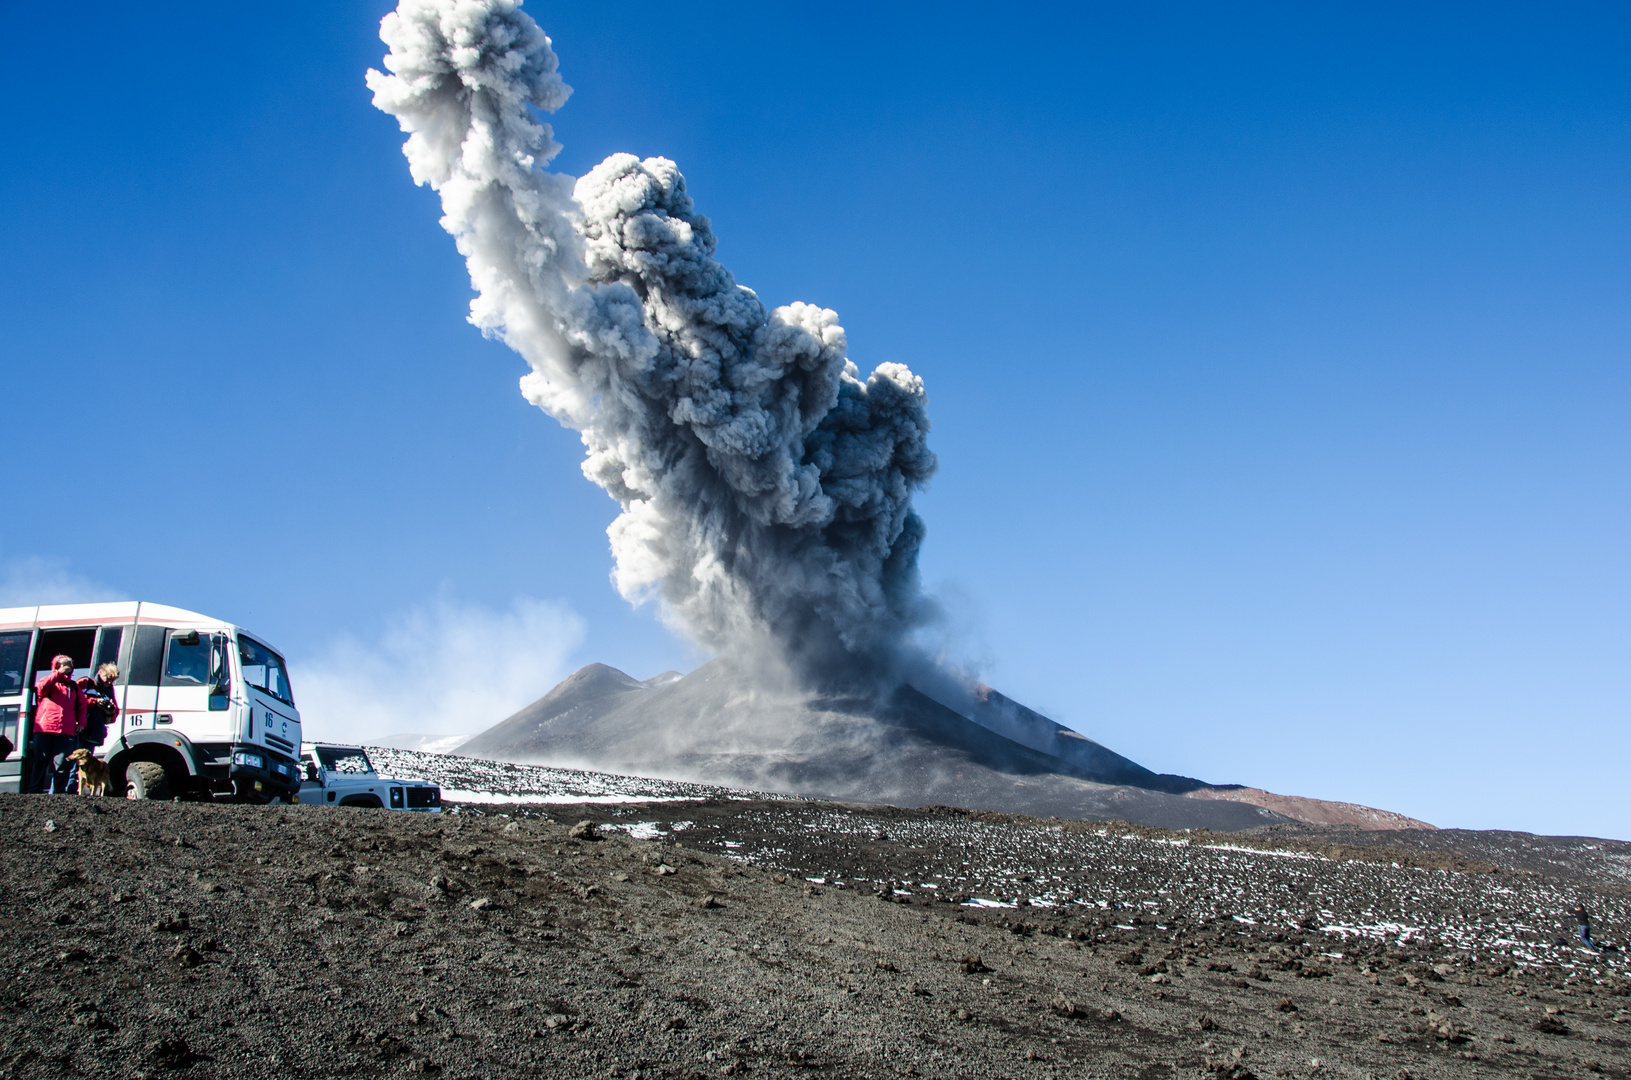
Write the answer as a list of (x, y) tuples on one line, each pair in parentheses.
[(263, 669)]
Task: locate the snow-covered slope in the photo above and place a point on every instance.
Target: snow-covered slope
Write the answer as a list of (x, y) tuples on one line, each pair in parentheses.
[(466, 779)]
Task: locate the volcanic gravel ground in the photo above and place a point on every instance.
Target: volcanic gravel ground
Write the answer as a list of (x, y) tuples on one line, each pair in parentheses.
[(155, 939), (1382, 891), (1583, 859)]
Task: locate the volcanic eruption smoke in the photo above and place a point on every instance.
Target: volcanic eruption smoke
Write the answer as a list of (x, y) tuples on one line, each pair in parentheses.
[(766, 489)]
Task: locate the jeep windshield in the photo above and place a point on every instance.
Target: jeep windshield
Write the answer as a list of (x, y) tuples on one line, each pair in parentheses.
[(345, 760)]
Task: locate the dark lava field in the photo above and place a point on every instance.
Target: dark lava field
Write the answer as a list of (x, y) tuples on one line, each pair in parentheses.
[(781, 937)]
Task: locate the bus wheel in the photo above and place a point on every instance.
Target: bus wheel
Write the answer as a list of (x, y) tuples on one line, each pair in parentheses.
[(147, 781)]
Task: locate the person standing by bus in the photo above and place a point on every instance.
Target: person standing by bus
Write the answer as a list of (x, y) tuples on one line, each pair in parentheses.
[(59, 717), (100, 709)]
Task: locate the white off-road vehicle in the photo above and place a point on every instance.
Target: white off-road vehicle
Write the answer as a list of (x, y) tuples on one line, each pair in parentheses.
[(342, 775)]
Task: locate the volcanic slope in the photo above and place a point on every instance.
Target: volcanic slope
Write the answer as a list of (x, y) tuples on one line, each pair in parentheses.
[(718, 725), (204, 941)]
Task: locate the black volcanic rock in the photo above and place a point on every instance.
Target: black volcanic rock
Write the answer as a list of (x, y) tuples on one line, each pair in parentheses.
[(722, 725), (1009, 718)]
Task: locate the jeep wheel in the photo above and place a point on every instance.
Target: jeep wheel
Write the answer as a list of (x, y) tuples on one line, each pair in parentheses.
[(370, 801), (146, 780)]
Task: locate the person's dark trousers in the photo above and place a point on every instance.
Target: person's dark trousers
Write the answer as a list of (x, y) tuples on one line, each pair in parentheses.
[(51, 762), (33, 772)]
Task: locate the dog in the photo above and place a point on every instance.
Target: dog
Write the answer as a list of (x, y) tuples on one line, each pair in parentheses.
[(93, 774)]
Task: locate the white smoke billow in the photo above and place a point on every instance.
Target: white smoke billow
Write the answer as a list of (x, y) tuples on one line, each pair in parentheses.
[(441, 667), (765, 486)]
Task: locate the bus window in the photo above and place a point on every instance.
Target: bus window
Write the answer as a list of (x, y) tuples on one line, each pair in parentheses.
[(8, 724), (263, 669), (146, 656), (188, 663), (107, 647), (13, 659)]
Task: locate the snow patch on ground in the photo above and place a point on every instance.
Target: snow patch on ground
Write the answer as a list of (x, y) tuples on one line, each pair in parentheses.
[(473, 780)]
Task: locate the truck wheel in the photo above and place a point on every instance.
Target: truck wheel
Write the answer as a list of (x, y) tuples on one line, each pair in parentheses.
[(147, 781)]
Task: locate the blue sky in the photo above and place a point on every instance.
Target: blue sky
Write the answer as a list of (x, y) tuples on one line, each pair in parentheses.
[(1277, 359)]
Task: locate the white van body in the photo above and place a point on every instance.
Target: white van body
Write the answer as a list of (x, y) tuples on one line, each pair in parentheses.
[(205, 707)]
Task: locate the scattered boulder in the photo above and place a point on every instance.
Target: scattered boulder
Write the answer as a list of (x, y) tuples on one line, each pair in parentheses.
[(172, 1053)]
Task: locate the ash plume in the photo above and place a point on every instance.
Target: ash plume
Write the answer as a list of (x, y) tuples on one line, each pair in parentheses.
[(765, 485)]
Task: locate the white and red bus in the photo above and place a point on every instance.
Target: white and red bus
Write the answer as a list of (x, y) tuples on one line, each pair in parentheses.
[(205, 708)]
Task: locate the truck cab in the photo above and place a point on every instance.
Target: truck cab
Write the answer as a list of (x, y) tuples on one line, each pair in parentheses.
[(205, 707), (338, 774)]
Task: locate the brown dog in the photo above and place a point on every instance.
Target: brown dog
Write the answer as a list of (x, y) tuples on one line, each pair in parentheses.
[(93, 774)]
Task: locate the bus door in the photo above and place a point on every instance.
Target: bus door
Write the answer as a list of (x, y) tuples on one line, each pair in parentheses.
[(14, 653), (193, 692), (140, 676), (77, 642)]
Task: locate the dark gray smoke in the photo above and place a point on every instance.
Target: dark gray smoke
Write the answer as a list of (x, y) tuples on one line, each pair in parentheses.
[(766, 488)]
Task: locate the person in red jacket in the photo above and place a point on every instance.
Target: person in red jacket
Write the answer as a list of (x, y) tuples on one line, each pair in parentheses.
[(59, 717)]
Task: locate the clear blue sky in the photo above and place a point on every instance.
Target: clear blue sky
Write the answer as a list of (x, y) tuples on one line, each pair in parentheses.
[(1277, 357)]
